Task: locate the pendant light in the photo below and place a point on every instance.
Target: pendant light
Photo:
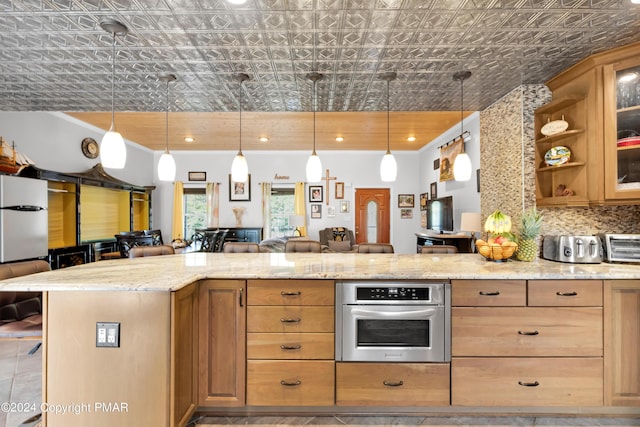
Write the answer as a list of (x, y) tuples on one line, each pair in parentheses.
[(462, 163), (239, 166), (113, 152), (314, 165), (167, 164), (388, 165)]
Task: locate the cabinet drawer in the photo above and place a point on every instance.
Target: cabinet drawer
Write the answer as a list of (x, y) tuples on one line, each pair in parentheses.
[(392, 384), (526, 331), (290, 319), (290, 383), (290, 346), (567, 293), (526, 381), (290, 292), (490, 293)]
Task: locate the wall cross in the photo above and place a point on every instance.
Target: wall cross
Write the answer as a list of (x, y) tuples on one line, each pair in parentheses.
[(326, 179)]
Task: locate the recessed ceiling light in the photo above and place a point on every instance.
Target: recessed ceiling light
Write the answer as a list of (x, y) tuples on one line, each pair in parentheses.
[(339, 139), (237, 1), (411, 138), (263, 139), (635, 1), (189, 139)]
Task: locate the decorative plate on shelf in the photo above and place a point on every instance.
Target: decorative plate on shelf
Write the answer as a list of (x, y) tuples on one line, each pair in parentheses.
[(554, 127), (629, 142), (90, 148), (558, 155)]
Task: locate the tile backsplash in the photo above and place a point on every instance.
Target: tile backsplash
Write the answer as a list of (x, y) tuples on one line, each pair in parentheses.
[(507, 172)]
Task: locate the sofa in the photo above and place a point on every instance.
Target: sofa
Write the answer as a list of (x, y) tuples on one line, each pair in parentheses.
[(21, 312), (337, 239)]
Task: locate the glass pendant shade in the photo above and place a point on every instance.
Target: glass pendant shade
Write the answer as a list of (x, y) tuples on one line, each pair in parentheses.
[(166, 167), (388, 168), (239, 168), (314, 168), (388, 165), (113, 152), (462, 167)]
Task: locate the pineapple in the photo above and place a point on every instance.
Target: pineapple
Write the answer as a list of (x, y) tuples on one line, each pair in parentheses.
[(530, 225)]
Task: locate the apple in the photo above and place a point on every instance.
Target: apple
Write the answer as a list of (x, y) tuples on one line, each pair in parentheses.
[(501, 239)]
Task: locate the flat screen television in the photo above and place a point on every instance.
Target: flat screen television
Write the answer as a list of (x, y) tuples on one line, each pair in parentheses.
[(440, 214)]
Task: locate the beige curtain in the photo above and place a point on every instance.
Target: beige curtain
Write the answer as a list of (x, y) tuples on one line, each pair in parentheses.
[(213, 204), (266, 210), (177, 224), (299, 206)]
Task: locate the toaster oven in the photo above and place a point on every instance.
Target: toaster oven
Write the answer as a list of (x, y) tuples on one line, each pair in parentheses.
[(621, 247)]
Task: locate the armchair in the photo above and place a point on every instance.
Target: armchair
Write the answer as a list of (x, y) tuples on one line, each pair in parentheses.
[(337, 239)]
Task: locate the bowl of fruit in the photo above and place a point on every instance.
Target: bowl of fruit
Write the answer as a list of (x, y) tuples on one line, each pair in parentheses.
[(499, 246)]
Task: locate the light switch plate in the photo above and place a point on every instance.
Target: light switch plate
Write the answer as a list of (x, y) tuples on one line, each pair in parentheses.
[(107, 334)]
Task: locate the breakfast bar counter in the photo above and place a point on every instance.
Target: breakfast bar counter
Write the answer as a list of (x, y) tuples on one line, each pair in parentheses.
[(171, 273), (192, 336)]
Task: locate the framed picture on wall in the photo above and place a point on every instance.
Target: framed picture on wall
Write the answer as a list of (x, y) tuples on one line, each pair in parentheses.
[(406, 213), (424, 198), (433, 190), (240, 191), (344, 206), (331, 211), (197, 176), (316, 210), (315, 193), (339, 190), (405, 200)]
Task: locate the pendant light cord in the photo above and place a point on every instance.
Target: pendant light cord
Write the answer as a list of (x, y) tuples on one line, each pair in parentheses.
[(315, 107), (461, 107), (388, 115), (113, 83), (167, 121), (240, 100)]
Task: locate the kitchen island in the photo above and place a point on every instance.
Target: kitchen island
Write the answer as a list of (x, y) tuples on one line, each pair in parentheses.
[(174, 335)]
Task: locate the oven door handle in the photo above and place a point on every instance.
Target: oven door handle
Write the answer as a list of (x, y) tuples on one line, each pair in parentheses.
[(424, 313)]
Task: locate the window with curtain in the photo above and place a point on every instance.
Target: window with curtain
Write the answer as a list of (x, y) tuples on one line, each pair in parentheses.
[(195, 210), (282, 205)]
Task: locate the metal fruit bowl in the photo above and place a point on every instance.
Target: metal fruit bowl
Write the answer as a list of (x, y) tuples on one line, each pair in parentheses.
[(495, 252)]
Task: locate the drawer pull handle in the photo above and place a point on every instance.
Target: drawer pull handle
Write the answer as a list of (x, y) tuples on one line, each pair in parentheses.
[(489, 294), (528, 332), (283, 320), (566, 294), (533, 384), (290, 383), (291, 347), (393, 383), (290, 293)]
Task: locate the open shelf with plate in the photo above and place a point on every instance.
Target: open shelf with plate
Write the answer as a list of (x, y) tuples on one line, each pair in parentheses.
[(561, 153)]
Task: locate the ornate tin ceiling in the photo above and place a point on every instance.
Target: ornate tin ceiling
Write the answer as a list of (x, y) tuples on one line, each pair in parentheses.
[(55, 56)]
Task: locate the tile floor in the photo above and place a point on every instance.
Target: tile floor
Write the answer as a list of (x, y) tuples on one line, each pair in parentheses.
[(20, 381)]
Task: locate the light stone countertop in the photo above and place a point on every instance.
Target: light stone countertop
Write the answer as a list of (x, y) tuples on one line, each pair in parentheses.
[(172, 272)]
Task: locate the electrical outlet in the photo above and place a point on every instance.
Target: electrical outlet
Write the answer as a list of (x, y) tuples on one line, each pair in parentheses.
[(107, 334)]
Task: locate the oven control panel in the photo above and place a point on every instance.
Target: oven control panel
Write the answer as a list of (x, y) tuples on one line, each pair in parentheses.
[(392, 294)]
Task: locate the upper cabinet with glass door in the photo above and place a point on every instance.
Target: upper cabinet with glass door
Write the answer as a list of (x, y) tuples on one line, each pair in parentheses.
[(622, 130)]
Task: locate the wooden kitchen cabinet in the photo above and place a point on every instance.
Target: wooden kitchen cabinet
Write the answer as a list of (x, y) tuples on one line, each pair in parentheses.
[(221, 342), (392, 384), (622, 343), (546, 351), (290, 343), (602, 113)]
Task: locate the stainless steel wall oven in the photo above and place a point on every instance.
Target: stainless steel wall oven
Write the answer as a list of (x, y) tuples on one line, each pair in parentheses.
[(393, 321)]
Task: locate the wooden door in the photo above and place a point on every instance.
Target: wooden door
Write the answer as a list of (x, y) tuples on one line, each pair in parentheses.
[(372, 215)]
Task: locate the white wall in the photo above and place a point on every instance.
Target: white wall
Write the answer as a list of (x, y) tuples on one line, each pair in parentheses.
[(466, 198), (52, 141), (357, 169)]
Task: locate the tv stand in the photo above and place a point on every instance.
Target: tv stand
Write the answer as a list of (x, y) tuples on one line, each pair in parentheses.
[(460, 241)]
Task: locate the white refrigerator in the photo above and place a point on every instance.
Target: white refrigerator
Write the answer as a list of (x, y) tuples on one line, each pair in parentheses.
[(23, 218)]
